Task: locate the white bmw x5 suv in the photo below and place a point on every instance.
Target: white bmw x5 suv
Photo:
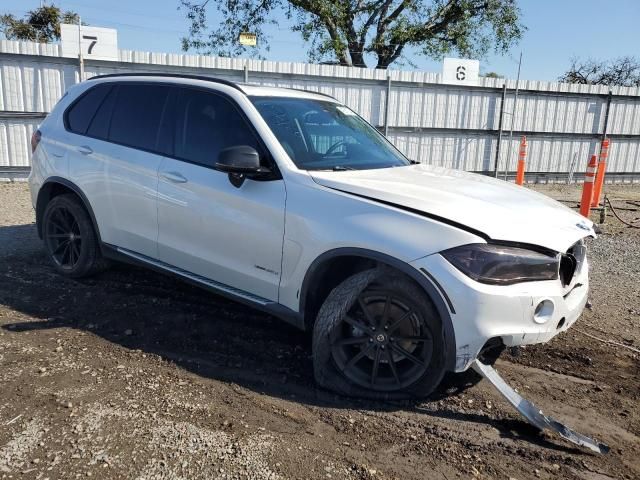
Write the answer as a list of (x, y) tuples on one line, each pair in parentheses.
[(290, 202)]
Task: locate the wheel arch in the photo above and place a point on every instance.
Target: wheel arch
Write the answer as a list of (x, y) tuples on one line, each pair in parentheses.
[(358, 259), (54, 186)]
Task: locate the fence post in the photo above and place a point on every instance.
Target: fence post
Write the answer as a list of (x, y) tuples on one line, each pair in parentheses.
[(495, 166), (387, 106), (522, 155), (606, 115), (604, 153), (572, 168), (80, 56), (513, 119), (246, 73), (587, 187)]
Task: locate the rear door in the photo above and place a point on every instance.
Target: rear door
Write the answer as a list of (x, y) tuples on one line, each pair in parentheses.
[(126, 139), (88, 154), (206, 225)]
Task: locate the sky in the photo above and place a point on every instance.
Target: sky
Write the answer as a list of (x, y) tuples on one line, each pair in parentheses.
[(557, 31)]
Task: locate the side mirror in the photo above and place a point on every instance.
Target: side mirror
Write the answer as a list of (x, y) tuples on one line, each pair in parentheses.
[(240, 162), (241, 159)]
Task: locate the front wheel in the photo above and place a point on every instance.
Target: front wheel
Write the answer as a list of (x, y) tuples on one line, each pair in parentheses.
[(378, 335)]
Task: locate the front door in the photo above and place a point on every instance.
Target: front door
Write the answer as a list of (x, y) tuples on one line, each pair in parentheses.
[(207, 226)]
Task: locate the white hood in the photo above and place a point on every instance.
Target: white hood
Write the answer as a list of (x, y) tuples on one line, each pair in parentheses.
[(500, 210)]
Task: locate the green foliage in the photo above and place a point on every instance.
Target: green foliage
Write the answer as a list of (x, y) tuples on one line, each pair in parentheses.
[(39, 25), (624, 71), (347, 30)]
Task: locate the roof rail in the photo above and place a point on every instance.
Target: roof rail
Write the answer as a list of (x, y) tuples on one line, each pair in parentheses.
[(197, 77), (169, 75)]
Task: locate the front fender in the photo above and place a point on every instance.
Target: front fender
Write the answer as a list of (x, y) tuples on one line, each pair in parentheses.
[(426, 282)]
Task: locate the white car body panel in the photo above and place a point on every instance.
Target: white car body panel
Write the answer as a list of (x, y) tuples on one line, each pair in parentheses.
[(122, 183), (263, 237), (499, 209), (320, 220), (211, 228)]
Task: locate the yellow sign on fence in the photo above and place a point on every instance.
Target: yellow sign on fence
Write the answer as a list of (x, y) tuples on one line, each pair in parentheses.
[(248, 39)]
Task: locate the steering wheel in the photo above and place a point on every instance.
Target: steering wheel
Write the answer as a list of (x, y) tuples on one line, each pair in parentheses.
[(334, 147)]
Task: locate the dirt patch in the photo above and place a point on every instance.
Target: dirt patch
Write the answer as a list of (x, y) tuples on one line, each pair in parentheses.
[(131, 374)]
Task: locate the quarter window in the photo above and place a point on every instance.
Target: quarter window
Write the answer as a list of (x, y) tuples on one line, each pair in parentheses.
[(81, 112), (99, 127)]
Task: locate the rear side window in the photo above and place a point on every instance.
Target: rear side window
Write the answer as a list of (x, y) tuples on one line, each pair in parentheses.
[(137, 113), (81, 113)]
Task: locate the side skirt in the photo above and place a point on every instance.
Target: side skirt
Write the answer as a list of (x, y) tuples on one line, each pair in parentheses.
[(268, 306)]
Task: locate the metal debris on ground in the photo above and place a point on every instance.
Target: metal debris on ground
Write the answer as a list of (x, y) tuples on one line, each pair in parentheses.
[(534, 415)]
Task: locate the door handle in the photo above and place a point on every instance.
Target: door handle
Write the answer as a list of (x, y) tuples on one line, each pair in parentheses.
[(174, 177), (85, 150)]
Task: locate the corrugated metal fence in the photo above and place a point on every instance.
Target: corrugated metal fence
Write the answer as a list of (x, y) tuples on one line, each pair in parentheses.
[(429, 121)]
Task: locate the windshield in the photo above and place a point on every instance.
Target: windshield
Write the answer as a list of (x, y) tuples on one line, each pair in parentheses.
[(323, 135)]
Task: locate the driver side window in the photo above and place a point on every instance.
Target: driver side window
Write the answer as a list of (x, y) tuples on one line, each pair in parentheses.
[(206, 124)]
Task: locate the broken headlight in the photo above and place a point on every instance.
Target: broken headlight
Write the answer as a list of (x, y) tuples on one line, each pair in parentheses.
[(503, 264)]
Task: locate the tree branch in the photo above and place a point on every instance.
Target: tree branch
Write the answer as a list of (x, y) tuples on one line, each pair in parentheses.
[(384, 62), (338, 45), (369, 22), (381, 28)]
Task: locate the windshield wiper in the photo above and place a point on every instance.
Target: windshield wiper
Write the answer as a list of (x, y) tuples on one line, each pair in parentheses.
[(335, 168), (341, 168)]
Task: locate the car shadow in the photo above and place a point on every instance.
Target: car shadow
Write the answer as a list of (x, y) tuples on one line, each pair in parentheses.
[(18, 240), (200, 332)]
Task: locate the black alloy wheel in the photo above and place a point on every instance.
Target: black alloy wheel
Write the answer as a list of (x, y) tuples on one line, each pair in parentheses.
[(63, 237), (378, 335), (383, 342), (70, 238)]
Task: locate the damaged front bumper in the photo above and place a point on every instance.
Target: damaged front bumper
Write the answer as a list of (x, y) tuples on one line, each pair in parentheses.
[(535, 416), (519, 314)]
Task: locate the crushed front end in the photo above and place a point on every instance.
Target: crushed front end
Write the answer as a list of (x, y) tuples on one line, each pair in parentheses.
[(487, 311)]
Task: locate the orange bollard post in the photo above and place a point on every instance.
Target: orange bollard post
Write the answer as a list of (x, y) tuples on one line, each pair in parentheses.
[(522, 155), (587, 187), (602, 166)]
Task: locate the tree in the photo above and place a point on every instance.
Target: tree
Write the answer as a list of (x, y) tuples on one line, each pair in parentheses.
[(348, 30), (624, 71), (39, 25)]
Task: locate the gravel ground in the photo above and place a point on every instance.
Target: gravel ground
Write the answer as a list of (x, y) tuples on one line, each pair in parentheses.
[(131, 374)]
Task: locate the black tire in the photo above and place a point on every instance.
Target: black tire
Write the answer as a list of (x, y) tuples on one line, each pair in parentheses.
[(70, 241), (402, 367)]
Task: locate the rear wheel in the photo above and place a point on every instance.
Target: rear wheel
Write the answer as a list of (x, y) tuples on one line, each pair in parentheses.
[(69, 238), (378, 335)]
